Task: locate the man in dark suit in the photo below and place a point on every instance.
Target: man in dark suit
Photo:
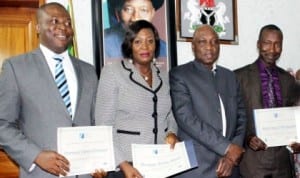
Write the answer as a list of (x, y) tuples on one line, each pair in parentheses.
[(260, 161), (208, 107), (32, 107)]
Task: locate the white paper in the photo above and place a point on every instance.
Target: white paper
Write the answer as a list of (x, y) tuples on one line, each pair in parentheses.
[(158, 161), (277, 126), (87, 148)]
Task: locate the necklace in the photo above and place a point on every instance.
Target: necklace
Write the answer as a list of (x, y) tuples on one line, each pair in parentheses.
[(146, 78), (146, 75)]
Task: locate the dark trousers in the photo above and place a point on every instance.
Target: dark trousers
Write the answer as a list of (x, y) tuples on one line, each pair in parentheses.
[(117, 174)]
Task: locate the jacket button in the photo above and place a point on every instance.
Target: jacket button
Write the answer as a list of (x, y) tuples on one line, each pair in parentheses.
[(154, 115), (154, 98), (155, 131)]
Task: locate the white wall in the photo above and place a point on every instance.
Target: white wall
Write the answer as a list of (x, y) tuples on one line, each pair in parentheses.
[(252, 15)]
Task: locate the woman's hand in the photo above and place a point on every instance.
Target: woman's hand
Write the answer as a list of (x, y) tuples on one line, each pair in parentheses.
[(129, 170), (171, 139), (99, 173)]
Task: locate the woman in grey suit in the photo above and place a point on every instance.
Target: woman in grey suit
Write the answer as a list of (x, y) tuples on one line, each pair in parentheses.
[(133, 96)]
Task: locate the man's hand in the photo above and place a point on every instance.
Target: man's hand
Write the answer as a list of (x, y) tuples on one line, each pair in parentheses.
[(224, 168), (256, 143), (129, 171), (234, 153), (296, 147), (52, 162)]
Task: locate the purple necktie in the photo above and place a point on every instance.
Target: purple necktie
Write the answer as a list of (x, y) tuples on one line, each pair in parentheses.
[(272, 102)]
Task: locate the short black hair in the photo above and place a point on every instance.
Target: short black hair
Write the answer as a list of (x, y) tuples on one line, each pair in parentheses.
[(131, 33), (270, 27), (118, 4), (41, 10)]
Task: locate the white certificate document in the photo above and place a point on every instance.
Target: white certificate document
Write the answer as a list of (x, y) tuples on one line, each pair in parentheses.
[(277, 126), (159, 161), (87, 148)]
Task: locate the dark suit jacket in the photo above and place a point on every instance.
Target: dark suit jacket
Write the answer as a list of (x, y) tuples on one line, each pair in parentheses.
[(197, 109), (31, 108), (260, 163)]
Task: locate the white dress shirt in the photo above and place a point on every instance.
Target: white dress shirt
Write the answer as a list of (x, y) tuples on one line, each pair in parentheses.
[(69, 72), (224, 124)]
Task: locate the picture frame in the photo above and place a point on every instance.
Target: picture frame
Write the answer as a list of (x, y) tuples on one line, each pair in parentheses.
[(104, 18), (220, 14)]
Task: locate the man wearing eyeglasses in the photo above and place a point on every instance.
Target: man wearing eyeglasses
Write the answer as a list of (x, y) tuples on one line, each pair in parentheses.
[(125, 12)]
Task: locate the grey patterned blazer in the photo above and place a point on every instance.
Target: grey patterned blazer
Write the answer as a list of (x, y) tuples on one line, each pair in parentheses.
[(31, 108), (125, 101)]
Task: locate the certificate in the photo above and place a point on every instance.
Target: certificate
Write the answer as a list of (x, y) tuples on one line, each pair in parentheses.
[(87, 148), (277, 126), (159, 161)]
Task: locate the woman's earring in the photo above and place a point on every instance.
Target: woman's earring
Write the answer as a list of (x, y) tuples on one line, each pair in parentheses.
[(130, 61), (154, 60)]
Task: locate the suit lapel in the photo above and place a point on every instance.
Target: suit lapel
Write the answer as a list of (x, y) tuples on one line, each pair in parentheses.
[(255, 89), (46, 78), (79, 82), (45, 73), (156, 81), (284, 83), (135, 74)]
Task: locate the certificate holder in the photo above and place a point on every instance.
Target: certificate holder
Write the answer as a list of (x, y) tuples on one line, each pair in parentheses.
[(277, 126), (159, 161), (87, 148)]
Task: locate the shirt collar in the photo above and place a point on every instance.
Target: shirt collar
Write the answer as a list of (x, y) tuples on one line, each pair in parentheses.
[(263, 67), (50, 54), (214, 68), (199, 63)]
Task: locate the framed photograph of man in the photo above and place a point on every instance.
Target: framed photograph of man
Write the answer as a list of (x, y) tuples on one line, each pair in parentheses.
[(220, 14), (112, 17)]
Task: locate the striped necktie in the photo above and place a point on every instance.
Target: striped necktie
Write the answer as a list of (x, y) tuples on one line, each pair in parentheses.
[(61, 82)]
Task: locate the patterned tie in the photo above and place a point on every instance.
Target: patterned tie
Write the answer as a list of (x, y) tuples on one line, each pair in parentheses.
[(272, 102), (61, 82)]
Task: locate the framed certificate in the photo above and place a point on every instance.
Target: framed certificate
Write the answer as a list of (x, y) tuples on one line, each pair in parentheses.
[(87, 148), (277, 126), (159, 161)]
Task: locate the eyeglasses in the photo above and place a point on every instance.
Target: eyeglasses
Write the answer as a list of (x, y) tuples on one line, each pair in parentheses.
[(143, 11)]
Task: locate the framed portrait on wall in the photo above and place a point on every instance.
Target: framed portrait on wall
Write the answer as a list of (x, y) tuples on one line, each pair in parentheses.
[(112, 17), (220, 14)]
